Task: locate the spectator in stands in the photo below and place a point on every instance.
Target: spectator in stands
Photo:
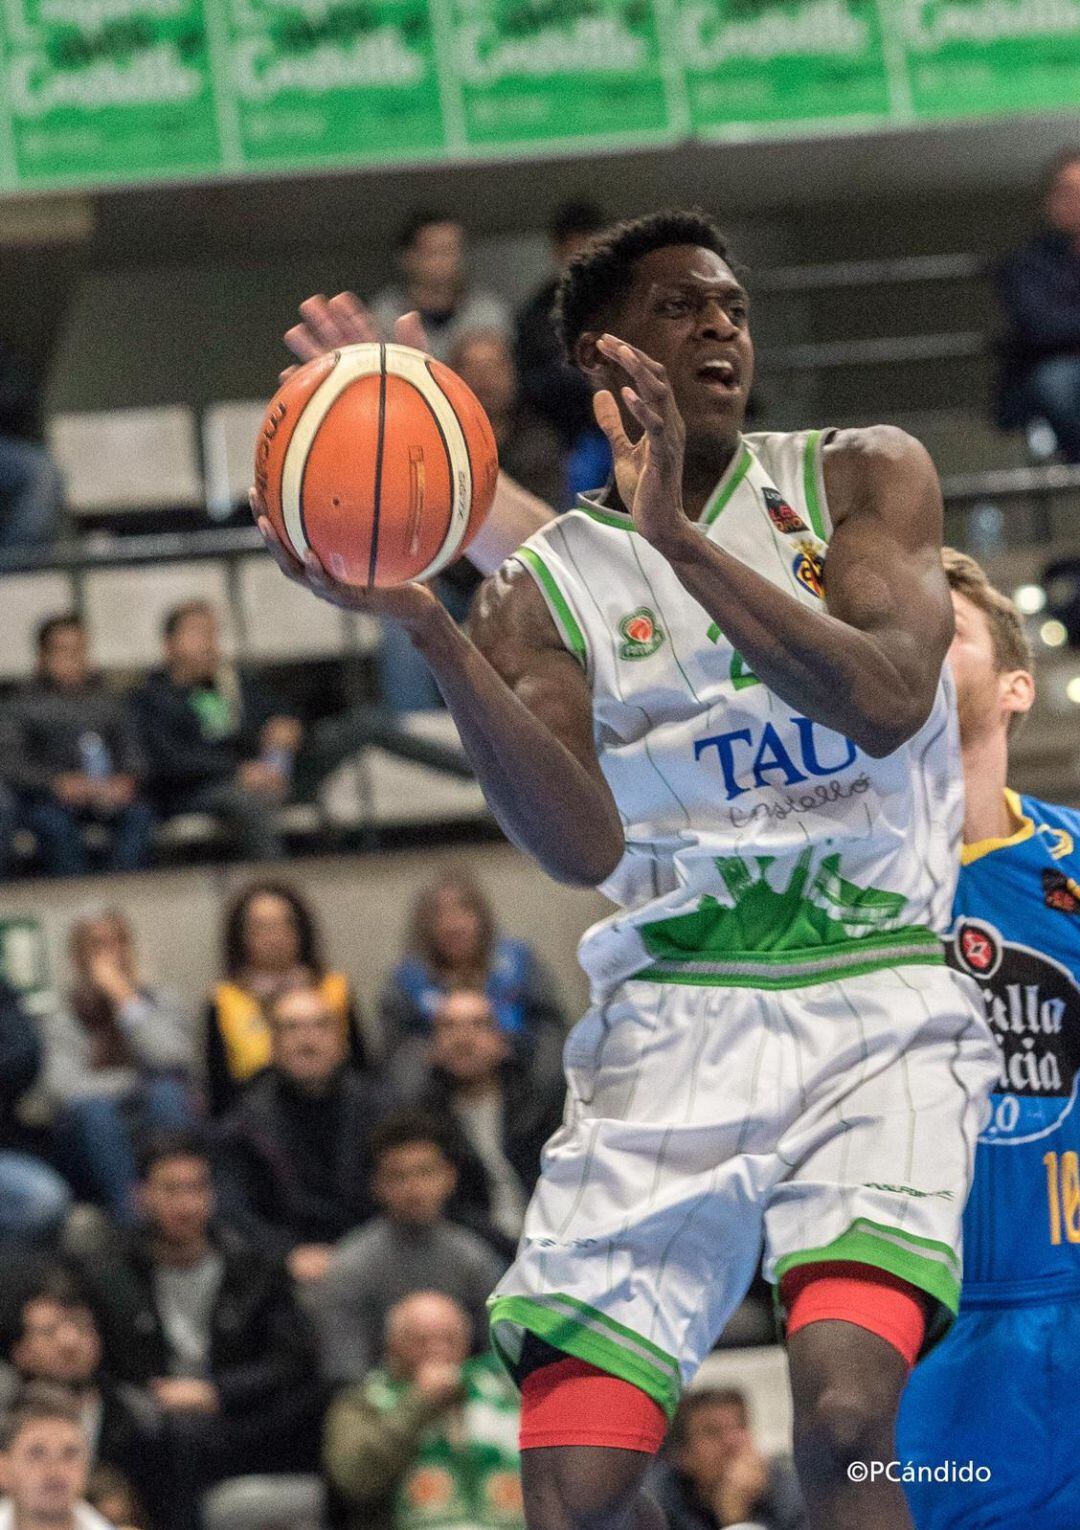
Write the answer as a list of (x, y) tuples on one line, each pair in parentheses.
[(217, 741), (46, 1464), (271, 944), (34, 1200), (412, 1245), (69, 753), (552, 387), (712, 1473), (453, 942), (211, 1327), (530, 448), (430, 1438), (58, 1341), (31, 489), (294, 1160), (498, 1112), (1039, 286), (119, 1056), (214, 739), (435, 283)]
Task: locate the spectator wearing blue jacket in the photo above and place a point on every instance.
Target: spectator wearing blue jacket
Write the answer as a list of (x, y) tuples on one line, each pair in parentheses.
[(453, 944), (34, 1200), (1039, 287)]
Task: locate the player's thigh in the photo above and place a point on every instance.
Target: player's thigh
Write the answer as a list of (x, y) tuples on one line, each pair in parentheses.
[(880, 1159)]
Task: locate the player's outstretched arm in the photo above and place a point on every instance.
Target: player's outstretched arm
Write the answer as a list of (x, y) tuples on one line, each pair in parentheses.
[(868, 664), (327, 323), (521, 703)]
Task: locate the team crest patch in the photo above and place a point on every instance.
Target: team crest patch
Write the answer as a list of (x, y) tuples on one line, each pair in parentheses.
[(641, 635), (783, 517), (809, 567), (1061, 892), (977, 947)]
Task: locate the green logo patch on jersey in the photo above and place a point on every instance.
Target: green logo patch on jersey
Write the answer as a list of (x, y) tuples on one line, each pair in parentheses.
[(642, 636)]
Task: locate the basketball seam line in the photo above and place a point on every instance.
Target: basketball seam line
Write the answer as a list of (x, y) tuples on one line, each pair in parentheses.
[(445, 443), (379, 440)]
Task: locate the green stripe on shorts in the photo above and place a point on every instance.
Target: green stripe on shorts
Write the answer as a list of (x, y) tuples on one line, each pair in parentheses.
[(577, 1329), (931, 1266)]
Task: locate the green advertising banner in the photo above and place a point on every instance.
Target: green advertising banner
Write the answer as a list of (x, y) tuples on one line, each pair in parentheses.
[(975, 57), (552, 72), (103, 90), (783, 62), (100, 91), (316, 81)]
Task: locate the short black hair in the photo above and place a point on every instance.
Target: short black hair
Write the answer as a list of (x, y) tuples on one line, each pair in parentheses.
[(575, 218), (158, 1147), (700, 1398), (60, 1286), (173, 620), (52, 624), (427, 217), (595, 280), (406, 1128)]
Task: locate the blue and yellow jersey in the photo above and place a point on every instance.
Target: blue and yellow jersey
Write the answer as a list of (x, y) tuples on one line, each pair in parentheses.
[(1016, 931)]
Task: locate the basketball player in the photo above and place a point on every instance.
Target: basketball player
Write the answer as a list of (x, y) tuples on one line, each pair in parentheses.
[(998, 1394), (665, 695)]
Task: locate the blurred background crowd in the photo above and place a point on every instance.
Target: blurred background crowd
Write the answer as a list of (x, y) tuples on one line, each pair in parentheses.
[(248, 1236), (101, 752), (253, 1199)]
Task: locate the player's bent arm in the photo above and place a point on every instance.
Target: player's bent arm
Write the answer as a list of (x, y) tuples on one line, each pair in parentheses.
[(867, 665), (523, 709), (883, 573), (514, 515)]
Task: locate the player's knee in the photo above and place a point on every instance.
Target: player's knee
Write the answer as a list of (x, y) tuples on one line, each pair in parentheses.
[(582, 1487), (845, 1423)]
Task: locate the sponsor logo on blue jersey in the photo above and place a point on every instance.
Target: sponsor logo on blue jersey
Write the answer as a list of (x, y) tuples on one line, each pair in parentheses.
[(1033, 1006)]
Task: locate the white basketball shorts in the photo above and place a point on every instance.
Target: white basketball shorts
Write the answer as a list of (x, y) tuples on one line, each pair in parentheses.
[(831, 1122)]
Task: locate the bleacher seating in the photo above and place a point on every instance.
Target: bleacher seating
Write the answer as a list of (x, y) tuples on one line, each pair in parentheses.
[(278, 621), (126, 460), (229, 433), (146, 460), (124, 608)]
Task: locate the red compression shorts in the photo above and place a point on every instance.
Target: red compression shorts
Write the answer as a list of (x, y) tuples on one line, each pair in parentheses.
[(857, 1293), (570, 1402)]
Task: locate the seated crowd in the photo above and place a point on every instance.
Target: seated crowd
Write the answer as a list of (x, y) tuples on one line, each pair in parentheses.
[(246, 1264), (90, 770)]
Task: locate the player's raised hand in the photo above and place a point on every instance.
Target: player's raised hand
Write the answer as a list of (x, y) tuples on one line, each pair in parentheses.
[(410, 604), (648, 471), (326, 324)]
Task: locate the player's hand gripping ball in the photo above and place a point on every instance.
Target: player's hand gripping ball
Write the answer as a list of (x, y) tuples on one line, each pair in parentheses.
[(378, 459)]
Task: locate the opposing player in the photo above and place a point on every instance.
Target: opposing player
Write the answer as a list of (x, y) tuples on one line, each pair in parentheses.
[(671, 693), (998, 1394)]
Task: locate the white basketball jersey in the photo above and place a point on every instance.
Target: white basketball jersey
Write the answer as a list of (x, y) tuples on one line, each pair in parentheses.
[(761, 847)]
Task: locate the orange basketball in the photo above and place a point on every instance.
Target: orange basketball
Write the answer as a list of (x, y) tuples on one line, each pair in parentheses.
[(379, 459)]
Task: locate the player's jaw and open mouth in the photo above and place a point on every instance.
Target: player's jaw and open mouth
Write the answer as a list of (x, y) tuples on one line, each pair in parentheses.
[(720, 376)]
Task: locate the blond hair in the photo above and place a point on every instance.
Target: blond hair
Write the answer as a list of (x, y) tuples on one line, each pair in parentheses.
[(1012, 650)]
